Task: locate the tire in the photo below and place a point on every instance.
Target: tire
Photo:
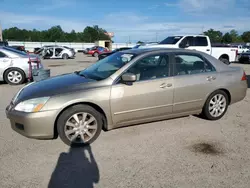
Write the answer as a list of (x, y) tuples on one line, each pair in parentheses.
[(226, 61), (65, 56), (208, 110), (14, 76), (67, 118), (95, 54)]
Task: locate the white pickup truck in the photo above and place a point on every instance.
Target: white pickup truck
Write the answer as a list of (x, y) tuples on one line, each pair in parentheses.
[(199, 43)]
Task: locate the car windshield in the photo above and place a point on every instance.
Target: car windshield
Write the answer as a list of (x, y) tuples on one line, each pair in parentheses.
[(94, 47), (171, 40), (107, 66), (15, 51)]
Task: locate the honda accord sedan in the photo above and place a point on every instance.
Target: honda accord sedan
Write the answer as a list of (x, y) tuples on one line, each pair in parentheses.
[(126, 88)]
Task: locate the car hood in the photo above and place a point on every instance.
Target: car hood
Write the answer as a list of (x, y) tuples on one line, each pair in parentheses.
[(53, 86)]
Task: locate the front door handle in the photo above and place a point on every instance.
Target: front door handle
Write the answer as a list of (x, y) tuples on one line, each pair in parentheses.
[(164, 85)]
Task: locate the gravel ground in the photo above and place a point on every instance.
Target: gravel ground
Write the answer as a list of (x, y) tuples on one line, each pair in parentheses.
[(184, 152)]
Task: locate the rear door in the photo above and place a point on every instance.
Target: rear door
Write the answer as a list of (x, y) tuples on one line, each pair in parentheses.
[(194, 79), (199, 43)]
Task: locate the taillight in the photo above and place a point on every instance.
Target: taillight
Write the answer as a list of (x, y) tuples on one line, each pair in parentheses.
[(244, 77)]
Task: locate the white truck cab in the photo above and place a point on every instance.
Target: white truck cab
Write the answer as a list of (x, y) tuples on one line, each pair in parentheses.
[(200, 43)]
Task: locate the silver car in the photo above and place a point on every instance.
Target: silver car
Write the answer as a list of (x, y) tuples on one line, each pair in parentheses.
[(14, 66), (56, 52), (129, 87)]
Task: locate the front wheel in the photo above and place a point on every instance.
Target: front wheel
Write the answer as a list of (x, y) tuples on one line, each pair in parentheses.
[(79, 125), (95, 54), (216, 105)]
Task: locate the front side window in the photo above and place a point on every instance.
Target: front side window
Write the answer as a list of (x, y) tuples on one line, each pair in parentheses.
[(151, 67), (191, 64), (187, 41)]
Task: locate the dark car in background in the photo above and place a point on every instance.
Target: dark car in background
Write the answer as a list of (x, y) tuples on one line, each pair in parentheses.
[(103, 55), (244, 57), (16, 47)]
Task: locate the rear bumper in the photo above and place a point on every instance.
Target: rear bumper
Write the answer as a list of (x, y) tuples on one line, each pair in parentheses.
[(38, 125), (239, 93)]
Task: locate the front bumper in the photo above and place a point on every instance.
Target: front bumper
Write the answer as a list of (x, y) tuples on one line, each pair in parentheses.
[(39, 125)]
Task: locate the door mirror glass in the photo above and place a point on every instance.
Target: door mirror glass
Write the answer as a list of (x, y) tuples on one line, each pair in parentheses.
[(129, 77)]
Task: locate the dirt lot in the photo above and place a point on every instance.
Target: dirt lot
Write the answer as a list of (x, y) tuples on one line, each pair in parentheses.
[(184, 152)]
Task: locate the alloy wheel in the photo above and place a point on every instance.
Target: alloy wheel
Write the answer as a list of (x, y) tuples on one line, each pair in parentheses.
[(80, 127), (217, 105)]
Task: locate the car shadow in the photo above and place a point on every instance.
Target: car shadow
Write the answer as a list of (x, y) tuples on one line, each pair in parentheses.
[(75, 169)]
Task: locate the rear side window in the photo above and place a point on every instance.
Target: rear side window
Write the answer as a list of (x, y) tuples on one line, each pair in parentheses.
[(2, 55), (189, 64), (200, 41)]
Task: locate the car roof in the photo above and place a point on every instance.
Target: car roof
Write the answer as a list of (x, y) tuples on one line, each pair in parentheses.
[(139, 51)]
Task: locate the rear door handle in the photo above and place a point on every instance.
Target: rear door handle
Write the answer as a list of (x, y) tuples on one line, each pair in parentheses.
[(210, 78), (164, 85), (208, 50)]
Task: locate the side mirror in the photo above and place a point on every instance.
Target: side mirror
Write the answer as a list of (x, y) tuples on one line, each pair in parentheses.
[(128, 77)]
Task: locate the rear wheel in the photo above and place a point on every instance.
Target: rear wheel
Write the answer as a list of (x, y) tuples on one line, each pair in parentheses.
[(79, 125), (224, 60), (65, 56), (14, 76), (216, 105)]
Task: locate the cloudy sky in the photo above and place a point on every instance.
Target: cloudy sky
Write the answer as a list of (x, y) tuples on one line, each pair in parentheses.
[(135, 19)]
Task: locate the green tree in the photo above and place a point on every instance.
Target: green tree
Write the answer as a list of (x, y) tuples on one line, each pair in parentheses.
[(246, 36), (235, 36), (55, 33), (227, 38), (215, 36)]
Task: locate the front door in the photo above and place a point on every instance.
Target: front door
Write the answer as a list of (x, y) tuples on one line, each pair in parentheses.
[(149, 97), (194, 79)]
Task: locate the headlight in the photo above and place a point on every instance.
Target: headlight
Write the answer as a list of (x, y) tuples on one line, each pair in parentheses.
[(32, 105)]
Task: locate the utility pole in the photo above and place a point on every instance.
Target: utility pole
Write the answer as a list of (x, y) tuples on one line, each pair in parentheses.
[(156, 37), (1, 32)]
